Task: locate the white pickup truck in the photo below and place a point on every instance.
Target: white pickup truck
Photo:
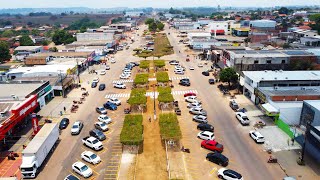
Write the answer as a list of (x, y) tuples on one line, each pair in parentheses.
[(92, 143)]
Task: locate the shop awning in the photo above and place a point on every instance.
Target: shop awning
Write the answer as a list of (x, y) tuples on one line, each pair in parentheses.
[(269, 108), (219, 31)]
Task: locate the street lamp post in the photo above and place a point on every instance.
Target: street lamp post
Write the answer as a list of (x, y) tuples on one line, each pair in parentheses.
[(62, 90)]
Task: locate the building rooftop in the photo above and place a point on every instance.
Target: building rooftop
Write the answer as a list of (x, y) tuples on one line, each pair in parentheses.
[(19, 90), (291, 91), (280, 75), (270, 53), (27, 48), (57, 54), (313, 103), (199, 34)]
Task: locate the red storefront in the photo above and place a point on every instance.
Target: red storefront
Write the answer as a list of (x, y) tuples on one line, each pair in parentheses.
[(18, 114)]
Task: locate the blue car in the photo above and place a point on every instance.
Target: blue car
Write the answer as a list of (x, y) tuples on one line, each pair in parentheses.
[(110, 105)]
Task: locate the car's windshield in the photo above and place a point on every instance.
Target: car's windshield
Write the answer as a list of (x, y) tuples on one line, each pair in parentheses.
[(99, 133), (84, 168), (95, 141), (93, 156), (75, 126)]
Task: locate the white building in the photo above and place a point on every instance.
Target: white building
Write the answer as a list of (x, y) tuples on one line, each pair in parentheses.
[(199, 35), (202, 44), (252, 80), (101, 36), (264, 24), (223, 27)]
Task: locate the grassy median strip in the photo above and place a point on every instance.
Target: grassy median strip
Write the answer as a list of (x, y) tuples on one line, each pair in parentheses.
[(132, 130), (169, 126), (144, 64), (162, 45), (162, 77), (138, 96), (159, 63), (165, 95), (141, 79)]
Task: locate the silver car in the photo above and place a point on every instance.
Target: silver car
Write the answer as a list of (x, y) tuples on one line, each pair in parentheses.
[(194, 105), (200, 119), (198, 111)]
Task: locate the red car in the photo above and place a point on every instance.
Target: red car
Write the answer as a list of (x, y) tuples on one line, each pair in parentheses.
[(212, 145), (189, 94)]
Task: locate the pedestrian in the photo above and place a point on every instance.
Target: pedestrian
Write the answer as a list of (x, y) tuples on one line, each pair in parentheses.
[(292, 140), (288, 141), (65, 109), (149, 119)]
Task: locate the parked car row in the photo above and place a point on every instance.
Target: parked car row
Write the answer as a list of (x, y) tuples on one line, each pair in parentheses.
[(207, 135), (178, 69), (126, 72)]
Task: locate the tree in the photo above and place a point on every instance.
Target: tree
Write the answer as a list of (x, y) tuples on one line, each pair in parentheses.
[(160, 26), (45, 43), (283, 10), (4, 51), (7, 33), (149, 21), (35, 32), (62, 37), (153, 26), (26, 41), (228, 75), (53, 49)]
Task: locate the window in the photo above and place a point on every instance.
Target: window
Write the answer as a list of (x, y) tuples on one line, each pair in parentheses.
[(283, 61), (256, 62), (268, 61)]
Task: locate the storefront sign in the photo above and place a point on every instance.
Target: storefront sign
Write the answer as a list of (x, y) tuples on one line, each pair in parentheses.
[(260, 95), (26, 107), (44, 90)]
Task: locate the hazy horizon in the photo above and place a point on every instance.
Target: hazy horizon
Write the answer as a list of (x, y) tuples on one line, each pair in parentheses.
[(154, 4)]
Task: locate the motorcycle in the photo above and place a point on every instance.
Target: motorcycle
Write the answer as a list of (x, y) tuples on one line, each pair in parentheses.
[(185, 150), (272, 160)]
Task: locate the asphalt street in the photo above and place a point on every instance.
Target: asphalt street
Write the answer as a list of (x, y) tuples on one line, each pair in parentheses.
[(245, 156)]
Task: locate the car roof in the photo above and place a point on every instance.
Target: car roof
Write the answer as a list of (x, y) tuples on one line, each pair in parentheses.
[(221, 156), (103, 115), (257, 133), (229, 171), (79, 164), (241, 113), (213, 142), (89, 153), (76, 123), (101, 107)]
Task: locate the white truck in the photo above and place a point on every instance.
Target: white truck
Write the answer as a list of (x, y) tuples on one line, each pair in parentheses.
[(38, 149), (92, 143)]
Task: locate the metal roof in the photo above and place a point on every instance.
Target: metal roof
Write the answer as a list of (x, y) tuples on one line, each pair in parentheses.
[(280, 75)]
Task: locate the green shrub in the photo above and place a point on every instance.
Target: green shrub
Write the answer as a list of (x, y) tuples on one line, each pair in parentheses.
[(162, 77), (141, 79), (163, 90), (165, 95), (169, 126), (144, 64), (159, 63), (138, 97), (132, 130)]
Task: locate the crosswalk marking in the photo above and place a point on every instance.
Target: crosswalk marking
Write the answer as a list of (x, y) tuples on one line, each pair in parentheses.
[(178, 77), (122, 81), (150, 94), (117, 95), (184, 92)]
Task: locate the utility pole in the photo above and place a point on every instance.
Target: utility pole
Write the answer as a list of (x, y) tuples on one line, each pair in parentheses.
[(62, 90), (78, 73)]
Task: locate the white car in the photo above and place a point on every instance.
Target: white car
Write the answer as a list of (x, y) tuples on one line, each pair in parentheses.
[(101, 126), (243, 118), (119, 85), (229, 174), (191, 68), (105, 119), (126, 71), (103, 72), (115, 101), (173, 62), (194, 105), (113, 60), (76, 127), (179, 67), (124, 76), (107, 67), (200, 65), (191, 99), (82, 169), (90, 157), (206, 135), (180, 71), (257, 136), (96, 80)]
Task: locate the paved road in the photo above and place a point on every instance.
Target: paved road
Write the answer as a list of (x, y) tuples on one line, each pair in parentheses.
[(70, 147), (245, 156)]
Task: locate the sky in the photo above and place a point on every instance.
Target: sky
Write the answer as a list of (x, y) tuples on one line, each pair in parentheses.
[(151, 3)]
